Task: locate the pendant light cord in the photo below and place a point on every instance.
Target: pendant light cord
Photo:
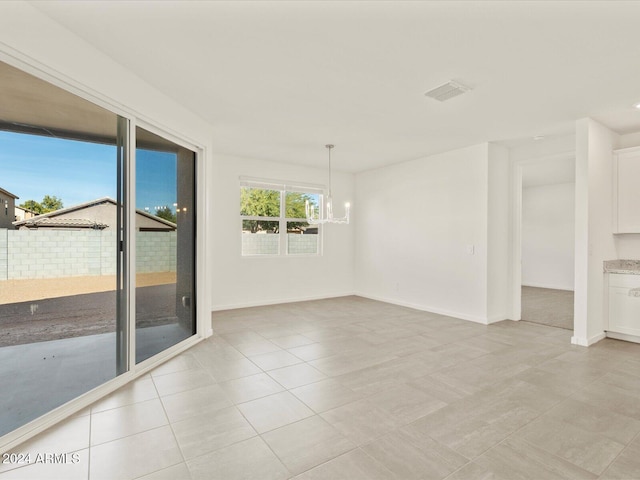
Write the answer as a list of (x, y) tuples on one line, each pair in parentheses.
[(329, 147)]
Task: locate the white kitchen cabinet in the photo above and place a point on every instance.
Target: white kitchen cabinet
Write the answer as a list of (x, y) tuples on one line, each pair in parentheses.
[(624, 309), (626, 190)]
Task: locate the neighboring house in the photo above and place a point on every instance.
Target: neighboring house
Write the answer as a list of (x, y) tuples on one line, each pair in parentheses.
[(7, 207), (99, 214), (23, 213)]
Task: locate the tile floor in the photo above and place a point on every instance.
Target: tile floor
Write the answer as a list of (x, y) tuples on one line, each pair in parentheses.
[(351, 388)]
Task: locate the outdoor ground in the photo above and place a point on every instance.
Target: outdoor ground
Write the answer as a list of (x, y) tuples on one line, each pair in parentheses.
[(40, 310)]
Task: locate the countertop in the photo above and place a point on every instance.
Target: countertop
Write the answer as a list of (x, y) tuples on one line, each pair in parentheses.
[(622, 266)]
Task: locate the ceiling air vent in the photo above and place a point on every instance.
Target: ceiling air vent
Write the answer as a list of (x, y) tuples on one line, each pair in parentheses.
[(448, 90)]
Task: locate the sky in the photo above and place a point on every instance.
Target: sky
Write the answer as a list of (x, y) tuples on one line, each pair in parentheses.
[(32, 166)]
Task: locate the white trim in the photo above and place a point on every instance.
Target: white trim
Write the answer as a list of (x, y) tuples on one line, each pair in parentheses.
[(235, 306), (130, 188), (627, 151), (587, 342), (271, 184), (623, 336), (427, 308), (550, 287)]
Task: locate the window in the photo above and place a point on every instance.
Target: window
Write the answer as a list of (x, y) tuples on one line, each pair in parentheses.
[(273, 219)]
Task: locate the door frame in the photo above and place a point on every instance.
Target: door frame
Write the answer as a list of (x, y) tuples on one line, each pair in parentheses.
[(517, 168)]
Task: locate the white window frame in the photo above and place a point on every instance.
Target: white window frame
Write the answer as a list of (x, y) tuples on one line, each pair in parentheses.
[(283, 187)]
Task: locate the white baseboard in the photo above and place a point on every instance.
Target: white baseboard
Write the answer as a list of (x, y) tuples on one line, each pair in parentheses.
[(497, 318), (549, 286), (427, 308), (276, 301), (587, 342), (624, 336)]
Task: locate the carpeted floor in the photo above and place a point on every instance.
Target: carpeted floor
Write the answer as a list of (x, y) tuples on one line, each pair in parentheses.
[(548, 307)]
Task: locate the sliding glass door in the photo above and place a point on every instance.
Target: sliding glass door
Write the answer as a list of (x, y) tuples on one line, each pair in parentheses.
[(76, 234)]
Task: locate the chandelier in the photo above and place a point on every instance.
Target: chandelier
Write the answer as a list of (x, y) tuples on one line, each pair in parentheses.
[(328, 217)]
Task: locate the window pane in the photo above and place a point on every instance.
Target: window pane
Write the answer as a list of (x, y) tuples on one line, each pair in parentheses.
[(302, 238), (165, 244), (58, 247), (260, 237), (295, 203), (259, 202)]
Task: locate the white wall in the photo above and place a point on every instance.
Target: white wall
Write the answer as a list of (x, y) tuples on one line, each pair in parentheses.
[(246, 281), (594, 239), (415, 222), (548, 236), (498, 234)]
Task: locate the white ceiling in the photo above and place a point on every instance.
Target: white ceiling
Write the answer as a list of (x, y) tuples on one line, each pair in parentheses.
[(279, 80)]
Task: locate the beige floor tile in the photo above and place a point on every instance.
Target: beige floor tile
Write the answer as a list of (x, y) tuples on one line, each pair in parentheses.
[(184, 361), (274, 411), (134, 392), (296, 375), (610, 397), (70, 435), (313, 351), (224, 369), (518, 459), (475, 424), (473, 471), (205, 433), (406, 404), (354, 465), (410, 455), (128, 420), (305, 444), (273, 331), (597, 420), (277, 359), (325, 395), (384, 376), (182, 381), (200, 401), (247, 460), (135, 456), (587, 450), (438, 389), (73, 466), (292, 341), (246, 335), (257, 347), (472, 378), (628, 382), (525, 394), (559, 383), (360, 421), (627, 465), (347, 363), (245, 389), (179, 471)]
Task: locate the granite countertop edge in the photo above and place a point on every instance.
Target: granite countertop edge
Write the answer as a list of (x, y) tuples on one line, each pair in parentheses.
[(622, 266)]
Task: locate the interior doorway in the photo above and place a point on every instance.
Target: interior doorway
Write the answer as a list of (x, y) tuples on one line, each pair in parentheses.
[(548, 242)]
